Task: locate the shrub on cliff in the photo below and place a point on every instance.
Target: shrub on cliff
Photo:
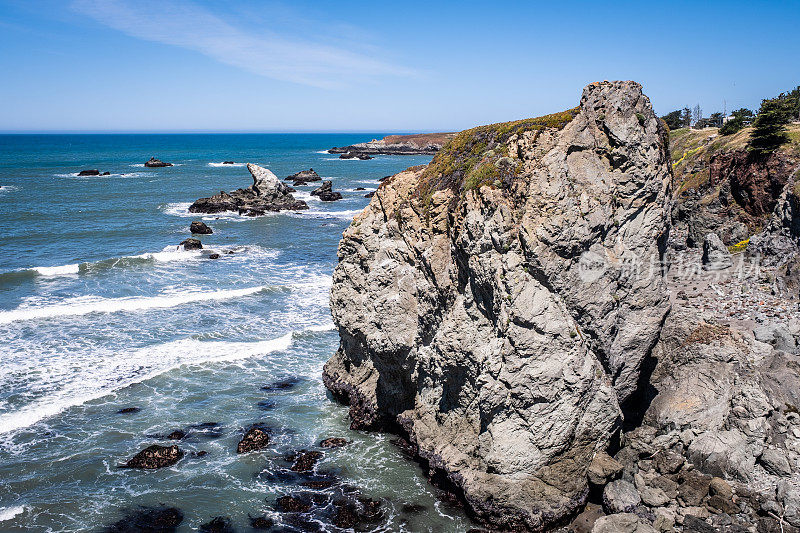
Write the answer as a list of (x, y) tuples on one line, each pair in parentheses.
[(769, 131), (737, 123)]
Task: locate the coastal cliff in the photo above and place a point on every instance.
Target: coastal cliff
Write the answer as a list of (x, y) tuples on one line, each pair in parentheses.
[(497, 307), (413, 144)]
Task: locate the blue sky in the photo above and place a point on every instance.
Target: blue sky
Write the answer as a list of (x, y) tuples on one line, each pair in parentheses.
[(246, 65)]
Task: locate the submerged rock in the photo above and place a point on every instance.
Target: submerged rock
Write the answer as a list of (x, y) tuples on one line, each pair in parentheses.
[(129, 410), (214, 256), (326, 193), (148, 519), (178, 434), (292, 504), (199, 227), (191, 244), (261, 522), (218, 524), (155, 456), (255, 439), (267, 193), (305, 460), (156, 163), (501, 325), (282, 384), (333, 442)]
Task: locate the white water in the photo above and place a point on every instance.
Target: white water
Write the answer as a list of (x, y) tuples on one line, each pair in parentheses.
[(7, 513), (84, 305)]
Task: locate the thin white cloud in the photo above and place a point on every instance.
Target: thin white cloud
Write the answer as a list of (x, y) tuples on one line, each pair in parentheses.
[(193, 27)]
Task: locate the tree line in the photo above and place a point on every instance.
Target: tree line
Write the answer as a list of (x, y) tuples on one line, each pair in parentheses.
[(769, 124)]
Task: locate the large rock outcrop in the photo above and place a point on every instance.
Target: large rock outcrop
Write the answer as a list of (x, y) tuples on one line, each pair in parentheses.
[(267, 193), (499, 307)]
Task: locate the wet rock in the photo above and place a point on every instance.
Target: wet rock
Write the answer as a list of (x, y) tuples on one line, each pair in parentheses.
[(266, 194), (603, 469), (292, 504), (106, 173), (176, 435), (715, 254), (282, 384), (620, 496), (129, 410), (192, 244), (305, 460), (200, 453), (199, 227), (304, 176), (255, 439), (354, 155), (213, 256), (370, 194), (326, 193), (218, 524), (333, 442), (227, 162), (351, 514), (318, 485), (413, 508), (155, 456), (148, 519), (261, 522), (156, 163), (360, 189), (622, 523), (93, 172)]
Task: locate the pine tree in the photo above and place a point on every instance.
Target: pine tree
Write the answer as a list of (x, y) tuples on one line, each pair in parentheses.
[(769, 132)]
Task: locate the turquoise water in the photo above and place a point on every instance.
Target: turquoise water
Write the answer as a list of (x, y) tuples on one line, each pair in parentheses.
[(100, 311)]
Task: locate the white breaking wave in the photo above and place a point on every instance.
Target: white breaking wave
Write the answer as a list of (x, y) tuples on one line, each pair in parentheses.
[(226, 164), (61, 270), (102, 376), (85, 305), (342, 215), (7, 513)]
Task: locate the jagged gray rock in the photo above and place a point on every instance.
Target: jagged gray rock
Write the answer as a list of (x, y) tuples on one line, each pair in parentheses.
[(267, 193), (620, 496), (502, 328), (622, 523), (715, 254)]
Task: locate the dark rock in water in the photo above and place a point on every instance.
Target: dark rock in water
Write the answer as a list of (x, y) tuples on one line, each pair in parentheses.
[(261, 522), (218, 524), (129, 410), (255, 439), (305, 460), (283, 384), (413, 508), (156, 163), (191, 244), (267, 405), (326, 193), (93, 172), (370, 194), (355, 155), (334, 442), (292, 504), (230, 252), (361, 188), (266, 194), (155, 456), (304, 176), (106, 173), (148, 519), (213, 256), (318, 485), (200, 453), (227, 163), (351, 514), (199, 227), (176, 435)]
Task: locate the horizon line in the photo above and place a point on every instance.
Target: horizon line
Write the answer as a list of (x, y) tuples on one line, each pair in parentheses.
[(217, 132)]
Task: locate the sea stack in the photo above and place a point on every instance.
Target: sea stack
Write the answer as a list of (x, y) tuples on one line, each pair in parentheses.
[(487, 307), (267, 193), (156, 163)]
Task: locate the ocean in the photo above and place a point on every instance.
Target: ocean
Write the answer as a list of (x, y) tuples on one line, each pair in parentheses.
[(100, 311)]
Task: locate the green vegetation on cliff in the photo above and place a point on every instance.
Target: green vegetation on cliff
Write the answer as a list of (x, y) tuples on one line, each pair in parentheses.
[(479, 156)]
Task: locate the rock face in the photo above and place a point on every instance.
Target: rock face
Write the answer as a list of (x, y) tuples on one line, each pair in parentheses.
[(715, 254), (267, 193), (304, 176), (326, 193), (503, 328), (156, 163), (779, 241)]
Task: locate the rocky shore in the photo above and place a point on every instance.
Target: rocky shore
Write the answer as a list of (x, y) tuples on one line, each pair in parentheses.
[(267, 193), (517, 312), (416, 144)]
